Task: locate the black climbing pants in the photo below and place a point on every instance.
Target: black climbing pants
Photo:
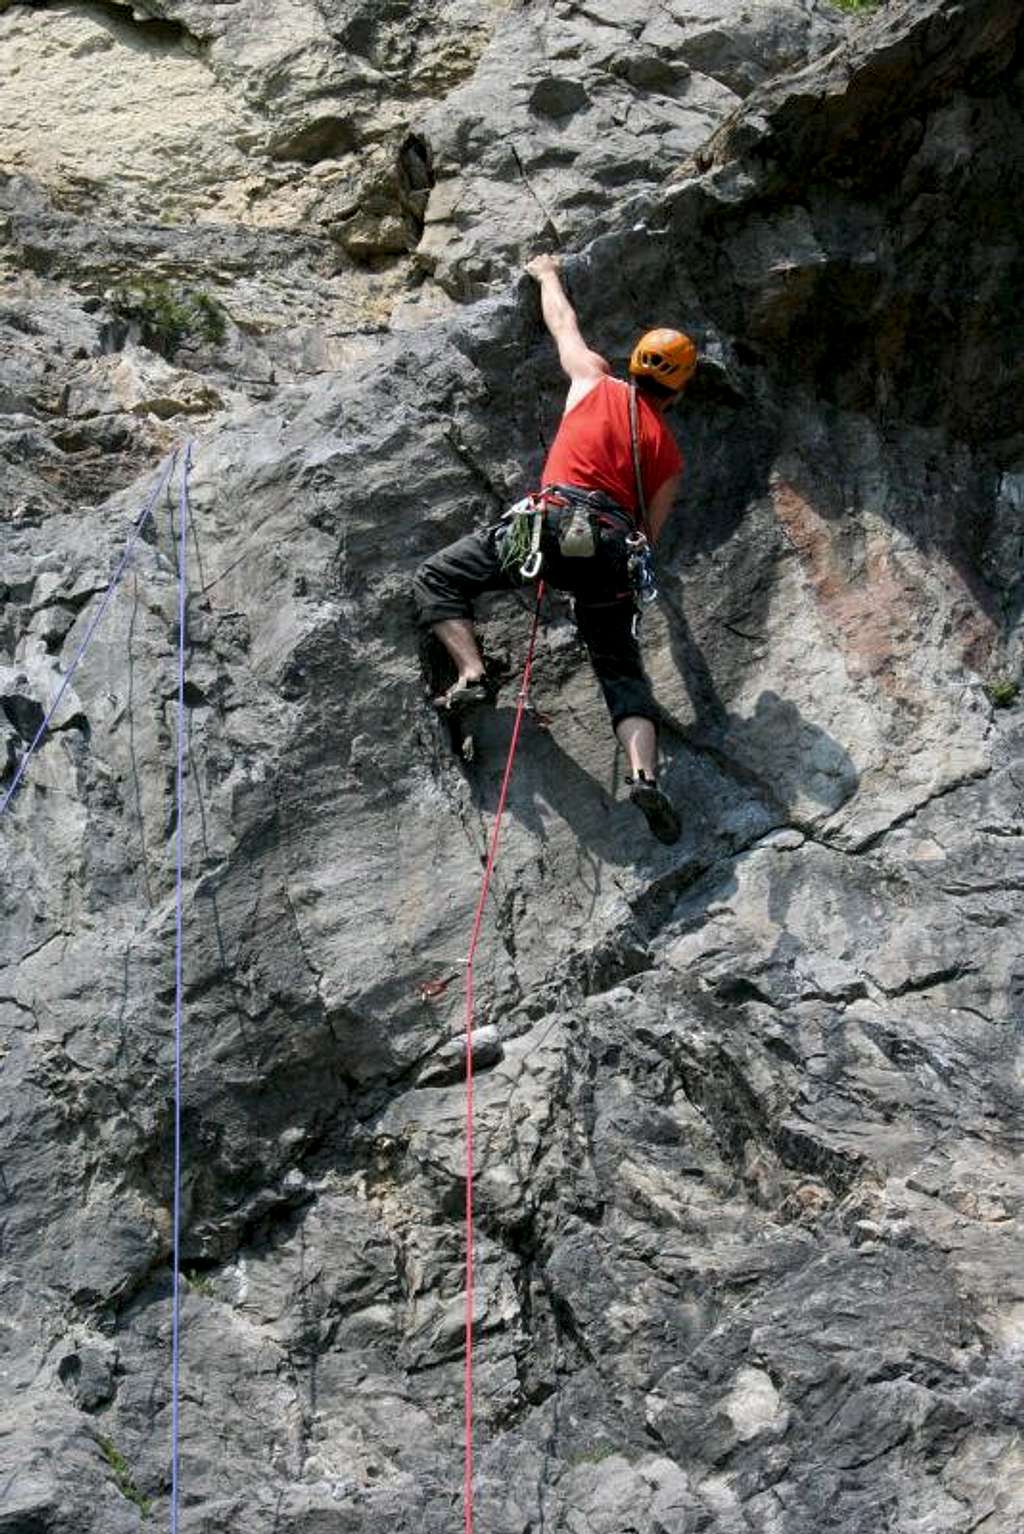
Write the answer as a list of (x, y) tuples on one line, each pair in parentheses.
[(444, 587)]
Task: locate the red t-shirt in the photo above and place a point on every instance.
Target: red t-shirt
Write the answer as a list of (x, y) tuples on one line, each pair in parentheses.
[(592, 447)]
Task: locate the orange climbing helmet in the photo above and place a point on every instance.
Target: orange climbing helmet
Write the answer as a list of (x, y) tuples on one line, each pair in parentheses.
[(667, 356)]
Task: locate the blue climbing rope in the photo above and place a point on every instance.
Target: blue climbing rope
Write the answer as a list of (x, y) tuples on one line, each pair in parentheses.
[(179, 801), (140, 523), (143, 518)]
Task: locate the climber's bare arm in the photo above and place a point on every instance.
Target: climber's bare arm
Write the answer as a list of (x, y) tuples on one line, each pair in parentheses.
[(583, 367), (662, 502)]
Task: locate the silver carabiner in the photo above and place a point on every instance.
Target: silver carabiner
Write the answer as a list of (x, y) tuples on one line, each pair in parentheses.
[(530, 567)]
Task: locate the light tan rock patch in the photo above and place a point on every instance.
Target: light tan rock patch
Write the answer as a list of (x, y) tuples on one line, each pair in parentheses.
[(94, 113)]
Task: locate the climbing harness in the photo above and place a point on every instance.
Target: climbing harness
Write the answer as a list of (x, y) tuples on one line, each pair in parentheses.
[(523, 525), (492, 855), (576, 538)]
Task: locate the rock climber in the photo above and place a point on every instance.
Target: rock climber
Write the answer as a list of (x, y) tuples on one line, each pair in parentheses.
[(609, 483)]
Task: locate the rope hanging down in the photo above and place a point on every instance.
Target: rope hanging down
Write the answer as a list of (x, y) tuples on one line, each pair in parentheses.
[(492, 855), (143, 518), (179, 859), (115, 579)]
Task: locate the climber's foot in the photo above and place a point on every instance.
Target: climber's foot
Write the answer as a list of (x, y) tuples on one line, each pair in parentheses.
[(463, 695), (656, 807)]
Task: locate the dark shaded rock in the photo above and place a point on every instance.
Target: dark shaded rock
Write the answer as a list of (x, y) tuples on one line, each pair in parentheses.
[(557, 96), (87, 1374)]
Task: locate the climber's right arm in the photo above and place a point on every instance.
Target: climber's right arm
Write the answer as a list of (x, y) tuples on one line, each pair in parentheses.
[(583, 367)]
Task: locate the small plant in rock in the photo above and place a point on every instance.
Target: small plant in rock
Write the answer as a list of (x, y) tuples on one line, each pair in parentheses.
[(201, 1284), (210, 317), (856, 5), (123, 1475), (167, 315), (594, 1456), (1003, 692)]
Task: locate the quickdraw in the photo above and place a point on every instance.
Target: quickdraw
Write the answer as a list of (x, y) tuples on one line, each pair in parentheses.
[(640, 566), (526, 525), (530, 567)]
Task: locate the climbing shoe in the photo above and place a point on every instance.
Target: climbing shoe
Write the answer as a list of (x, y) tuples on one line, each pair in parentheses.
[(468, 695), (656, 808)]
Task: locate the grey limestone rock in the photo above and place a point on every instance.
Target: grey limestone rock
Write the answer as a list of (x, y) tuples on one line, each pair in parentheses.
[(747, 1177)]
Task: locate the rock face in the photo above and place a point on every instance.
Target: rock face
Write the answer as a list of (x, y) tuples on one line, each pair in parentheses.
[(748, 1195)]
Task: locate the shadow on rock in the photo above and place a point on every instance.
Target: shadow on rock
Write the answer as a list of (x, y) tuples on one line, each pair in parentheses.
[(791, 762), (548, 778)]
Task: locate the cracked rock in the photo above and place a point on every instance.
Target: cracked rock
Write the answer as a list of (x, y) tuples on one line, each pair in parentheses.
[(747, 1195)]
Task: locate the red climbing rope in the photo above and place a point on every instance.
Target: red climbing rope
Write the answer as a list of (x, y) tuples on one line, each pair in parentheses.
[(492, 855)]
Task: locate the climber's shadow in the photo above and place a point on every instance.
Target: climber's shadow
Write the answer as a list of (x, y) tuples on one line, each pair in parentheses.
[(548, 780), (779, 754)]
